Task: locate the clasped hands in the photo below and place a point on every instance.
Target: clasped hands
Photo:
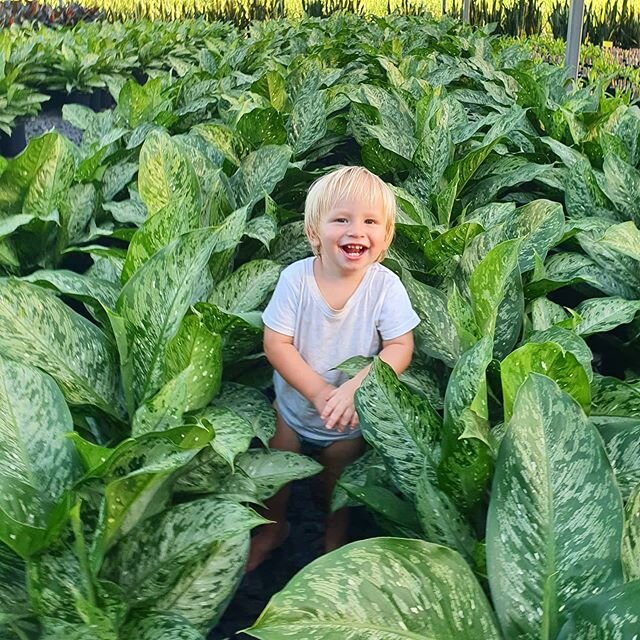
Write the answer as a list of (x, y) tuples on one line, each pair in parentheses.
[(336, 406)]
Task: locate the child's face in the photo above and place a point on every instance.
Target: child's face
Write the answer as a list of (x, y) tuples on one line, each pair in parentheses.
[(351, 235)]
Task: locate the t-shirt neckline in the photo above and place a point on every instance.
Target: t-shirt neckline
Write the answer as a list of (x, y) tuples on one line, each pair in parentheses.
[(327, 308)]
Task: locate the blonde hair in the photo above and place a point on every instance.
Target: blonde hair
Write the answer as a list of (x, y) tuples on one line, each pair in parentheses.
[(344, 184)]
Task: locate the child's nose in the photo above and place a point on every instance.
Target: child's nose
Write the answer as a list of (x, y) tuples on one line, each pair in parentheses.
[(356, 229)]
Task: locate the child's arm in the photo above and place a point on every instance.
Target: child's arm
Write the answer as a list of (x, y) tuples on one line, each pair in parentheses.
[(286, 360), (339, 410)]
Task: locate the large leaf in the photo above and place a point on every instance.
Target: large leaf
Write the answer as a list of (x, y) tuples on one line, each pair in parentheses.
[(152, 305), (14, 602), (555, 517), (496, 294), (631, 539), (38, 465), (307, 122), (436, 334), (38, 329), (466, 459), (247, 287), (614, 613), (343, 595), (549, 359), (621, 184), (160, 626), (603, 314), (401, 426), (153, 558), (613, 397)]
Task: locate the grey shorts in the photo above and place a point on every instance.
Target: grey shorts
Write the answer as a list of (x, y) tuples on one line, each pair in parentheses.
[(315, 439)]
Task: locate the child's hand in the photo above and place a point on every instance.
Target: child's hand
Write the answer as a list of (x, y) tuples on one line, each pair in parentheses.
[(320, 400), (339, 411)]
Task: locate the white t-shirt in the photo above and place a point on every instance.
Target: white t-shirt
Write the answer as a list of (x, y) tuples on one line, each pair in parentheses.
[(379, 309)]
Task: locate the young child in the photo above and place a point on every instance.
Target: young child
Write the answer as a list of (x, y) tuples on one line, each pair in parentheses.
[(326, 309)]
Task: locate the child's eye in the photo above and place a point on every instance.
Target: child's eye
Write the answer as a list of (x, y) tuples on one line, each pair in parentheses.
[(370, 221), (340, 219)]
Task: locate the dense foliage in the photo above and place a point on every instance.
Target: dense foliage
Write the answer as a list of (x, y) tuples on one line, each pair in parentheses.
[(136, 264)]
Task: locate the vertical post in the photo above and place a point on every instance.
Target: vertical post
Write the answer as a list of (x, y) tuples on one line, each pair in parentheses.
[(444, 7), (574, 40), (466, 10)]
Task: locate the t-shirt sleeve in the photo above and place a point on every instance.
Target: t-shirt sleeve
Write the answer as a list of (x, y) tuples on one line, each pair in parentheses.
[(397, 316), (280, 314)]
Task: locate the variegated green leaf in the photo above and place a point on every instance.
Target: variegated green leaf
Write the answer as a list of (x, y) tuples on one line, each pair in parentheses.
[(439, 517), (252, 406), (357, 473), (241, 333), (631, 537), (401, 426), (436, 334), (570, 342), (603, 314), (14, 601), (621, 184), (496, 294), (260, 172), (208, 582), (166, 176), (621, 438), (307, 122), (193, 370), (152, 559), (290, 244), (152, 305), (613, 397), (34, 181), (38, 329), (160, 626), (549, 359), (263, 228), (466, 461), (624, 238), (545, 313), (247, 287), (614, 613), (339, 595), (38, 465), (271, 470), (84, 287), (555, 517)]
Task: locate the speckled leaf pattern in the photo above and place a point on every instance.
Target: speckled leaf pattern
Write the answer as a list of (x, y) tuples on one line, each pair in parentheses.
[(401, 426), (34, 181), (251, 405), (241, 334), (271, 470), (549, 359), (263, 228), (440, 519), (344, 595), (307, 122), (611, 615), (555, 517), (166, 176), (465, 466), (436, 334), (232, 433), (38, 465), (290, 244), (356, 474), (496, 294), (260, 172), (622, 184), (84, 287), (14, 602), (208, 582), (624, 238), (631, 537), (160, 626), (150, 561), (603, 314), (545, 313), (613, 397), (247, 287), (193, 365), (570, 342), (621, 438), (153, 304), (38, 329)]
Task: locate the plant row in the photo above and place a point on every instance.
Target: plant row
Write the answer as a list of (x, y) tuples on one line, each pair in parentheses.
[(505, 463)]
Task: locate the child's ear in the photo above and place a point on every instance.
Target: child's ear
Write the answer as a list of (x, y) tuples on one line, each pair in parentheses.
[(313, 239)]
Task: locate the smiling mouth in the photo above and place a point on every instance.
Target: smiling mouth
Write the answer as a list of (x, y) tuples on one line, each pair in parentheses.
[(354, 250)]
